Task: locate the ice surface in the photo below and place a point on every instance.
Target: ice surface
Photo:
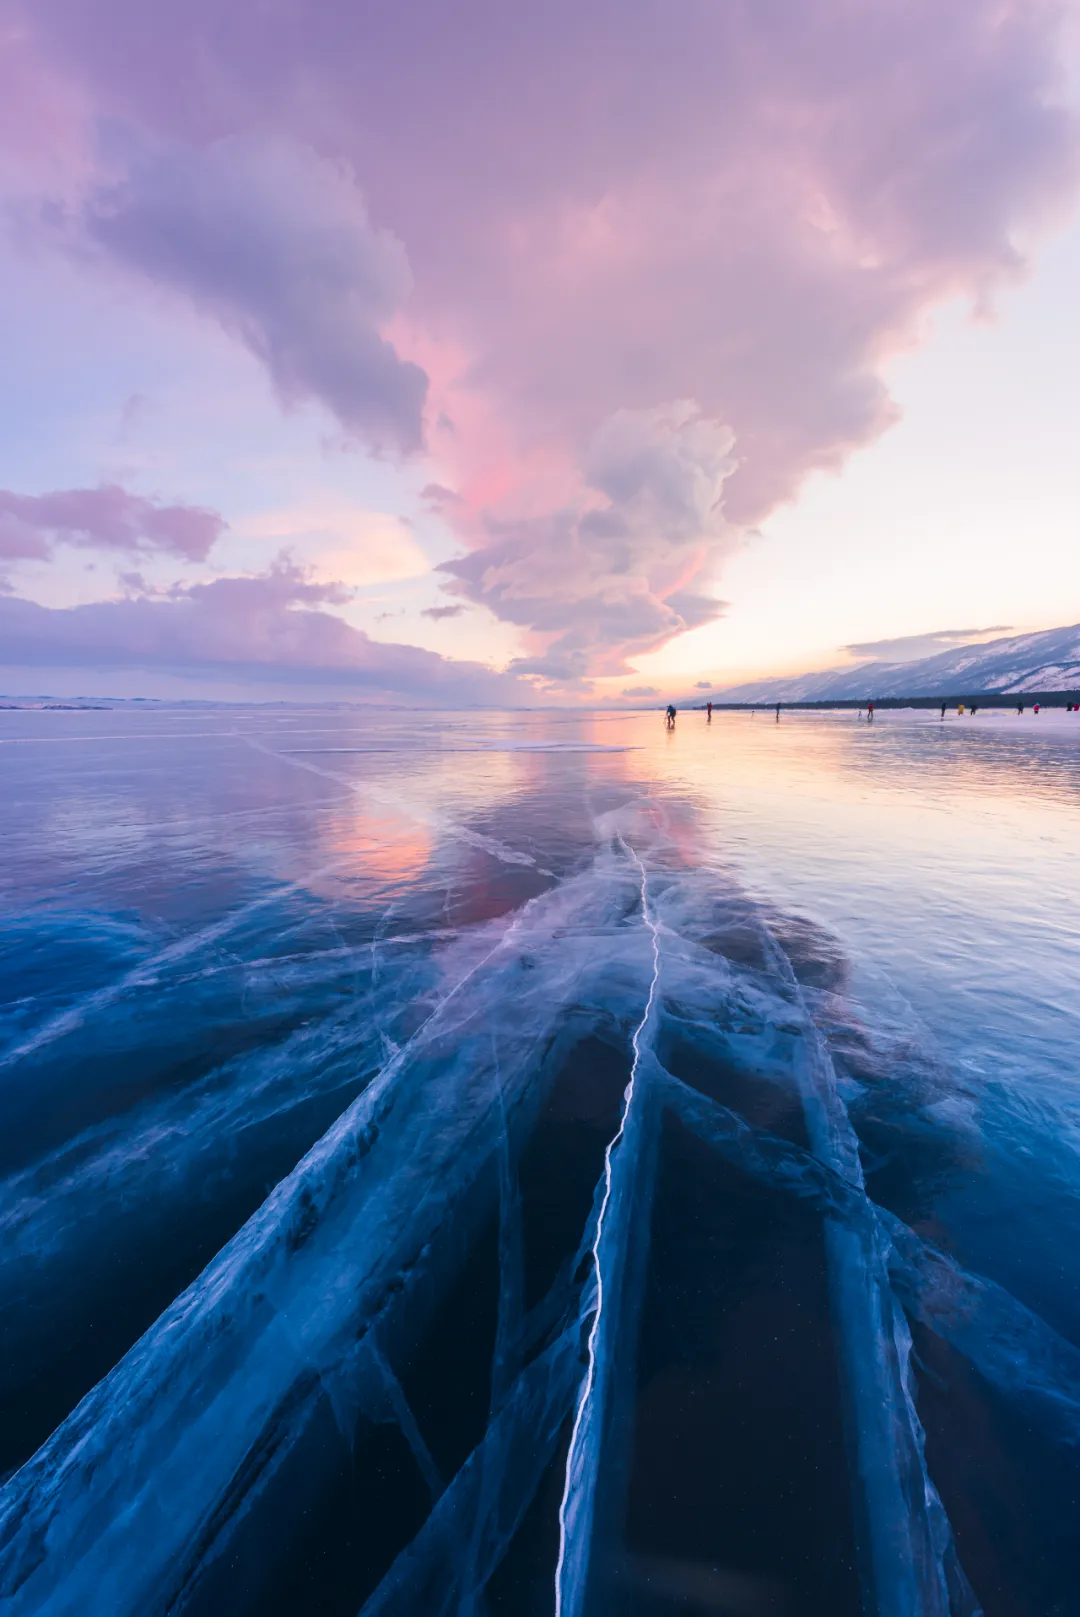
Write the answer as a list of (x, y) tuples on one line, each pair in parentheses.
[(622, 1200), (284, 1301), (340, 1268)]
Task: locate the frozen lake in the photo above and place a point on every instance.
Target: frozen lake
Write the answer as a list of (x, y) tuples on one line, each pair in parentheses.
[(517, 1164)]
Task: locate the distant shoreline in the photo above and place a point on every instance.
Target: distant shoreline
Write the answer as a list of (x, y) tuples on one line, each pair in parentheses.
[(882, 704), (999, 699)]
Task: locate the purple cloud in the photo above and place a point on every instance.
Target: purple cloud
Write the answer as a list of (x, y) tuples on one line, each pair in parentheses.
[(750, 206), (703, 685), (614, 576), (437, 613), (437, 495), (260, 629), (106, 518), (274, 242)]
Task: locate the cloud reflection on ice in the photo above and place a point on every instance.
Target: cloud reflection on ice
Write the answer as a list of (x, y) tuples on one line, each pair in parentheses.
[(370, 1387)]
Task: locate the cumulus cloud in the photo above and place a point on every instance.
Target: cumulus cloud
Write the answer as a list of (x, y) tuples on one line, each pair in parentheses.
[(274, 241), (438, 495), (909, 647), (105, 518), (810, 180), (623, 571), (271, 627)]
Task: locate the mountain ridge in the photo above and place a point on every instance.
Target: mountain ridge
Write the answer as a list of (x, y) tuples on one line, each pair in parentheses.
[(1048, 660)]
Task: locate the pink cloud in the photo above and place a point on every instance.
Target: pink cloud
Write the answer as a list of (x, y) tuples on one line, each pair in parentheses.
[(625, 568), (274, 242), (746, 206), (42, 111), (255, 629), (106, 518)]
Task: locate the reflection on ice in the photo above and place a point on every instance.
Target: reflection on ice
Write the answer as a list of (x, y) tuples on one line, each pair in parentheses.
[(142, 1497), (587, 1286), (283, 1313)]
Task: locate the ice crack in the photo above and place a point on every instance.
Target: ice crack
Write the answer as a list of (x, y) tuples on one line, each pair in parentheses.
[(570, 1569)]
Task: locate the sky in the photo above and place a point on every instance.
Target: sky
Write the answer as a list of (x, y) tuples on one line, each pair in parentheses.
[(503, 354)]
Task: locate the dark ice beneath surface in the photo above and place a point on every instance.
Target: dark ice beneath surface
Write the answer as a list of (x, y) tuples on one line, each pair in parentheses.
[(514, 1216)]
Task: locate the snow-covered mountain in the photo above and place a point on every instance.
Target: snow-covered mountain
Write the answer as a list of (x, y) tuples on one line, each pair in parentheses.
[(1048, 661)]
